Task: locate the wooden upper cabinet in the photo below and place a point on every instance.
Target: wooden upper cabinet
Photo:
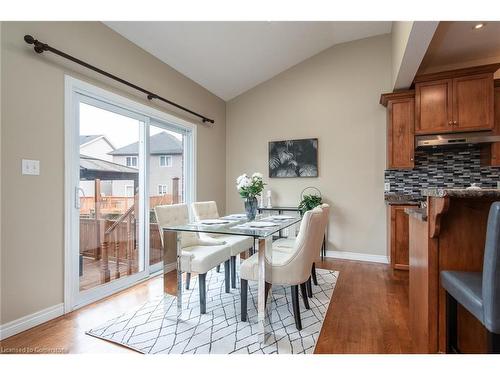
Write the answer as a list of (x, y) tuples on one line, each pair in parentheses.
[(490, 154), (400, 129), (455, 101), (473, 102), (434, 107)]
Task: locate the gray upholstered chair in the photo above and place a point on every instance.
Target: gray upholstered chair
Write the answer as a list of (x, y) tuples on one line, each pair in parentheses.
[(477, 292)]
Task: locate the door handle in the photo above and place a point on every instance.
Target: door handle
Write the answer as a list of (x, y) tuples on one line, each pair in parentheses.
[(77, 196)]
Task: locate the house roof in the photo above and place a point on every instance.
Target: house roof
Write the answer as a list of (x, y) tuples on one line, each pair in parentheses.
[(159, 144), (94, 164), (88, 138)]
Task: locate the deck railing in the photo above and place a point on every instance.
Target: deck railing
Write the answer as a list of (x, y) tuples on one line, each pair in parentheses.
[(114, 241)]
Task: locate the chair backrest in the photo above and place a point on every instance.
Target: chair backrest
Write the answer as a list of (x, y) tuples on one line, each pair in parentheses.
[(307, 244), (175, 214), (205, 210), (491, 271)]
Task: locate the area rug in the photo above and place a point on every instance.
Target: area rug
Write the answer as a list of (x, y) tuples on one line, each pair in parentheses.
[(153, 329)]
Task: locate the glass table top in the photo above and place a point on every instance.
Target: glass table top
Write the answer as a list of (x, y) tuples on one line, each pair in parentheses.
[(239, 225)]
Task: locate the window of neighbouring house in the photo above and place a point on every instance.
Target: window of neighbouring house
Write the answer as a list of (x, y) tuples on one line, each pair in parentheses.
[(131, 161), (162, 189), (165, 161)]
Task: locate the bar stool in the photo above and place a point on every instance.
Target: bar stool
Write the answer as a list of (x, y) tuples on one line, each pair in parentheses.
[(478, 292)]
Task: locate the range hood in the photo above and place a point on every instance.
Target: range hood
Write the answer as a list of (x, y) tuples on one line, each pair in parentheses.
[(454, 140)]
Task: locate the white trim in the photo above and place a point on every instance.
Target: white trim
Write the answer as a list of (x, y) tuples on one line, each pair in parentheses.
[(76, 91), (362, 257), (29, 321)]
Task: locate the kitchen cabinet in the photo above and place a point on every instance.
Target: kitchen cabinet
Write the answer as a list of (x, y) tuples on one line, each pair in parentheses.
[(398, 236), (400, 129), (490, 154), (455, 101)]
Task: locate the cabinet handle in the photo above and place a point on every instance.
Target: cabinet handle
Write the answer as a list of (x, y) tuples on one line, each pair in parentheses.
[(450, 123), (455, 122)]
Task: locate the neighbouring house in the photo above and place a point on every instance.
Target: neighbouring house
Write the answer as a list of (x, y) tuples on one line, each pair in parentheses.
[(165, 163), (95, 147)]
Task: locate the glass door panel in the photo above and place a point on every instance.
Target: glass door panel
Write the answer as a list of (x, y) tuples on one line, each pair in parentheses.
[(166, 180), (109, 192)]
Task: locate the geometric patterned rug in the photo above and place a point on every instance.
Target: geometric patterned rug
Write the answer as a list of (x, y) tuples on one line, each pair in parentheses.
[(153, 329)]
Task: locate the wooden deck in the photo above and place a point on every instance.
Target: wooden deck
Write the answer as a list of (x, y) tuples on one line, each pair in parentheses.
[(92, 269)]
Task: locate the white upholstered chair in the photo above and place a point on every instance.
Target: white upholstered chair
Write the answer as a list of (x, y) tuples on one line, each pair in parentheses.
[(289, 268), (199, 255), (238, 244), (287, 244)]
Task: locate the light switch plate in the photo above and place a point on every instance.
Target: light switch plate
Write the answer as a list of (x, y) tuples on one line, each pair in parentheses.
[(30, 167), (387, 186)]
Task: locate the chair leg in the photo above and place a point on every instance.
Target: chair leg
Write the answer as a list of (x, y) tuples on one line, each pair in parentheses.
[(188, 280), (203, 292), (227, 275), (233, 271), (218, 268), (313, 274), (493, 343), (303, 291), (296, 307), (309, 287), (451, 324), (243, 294)]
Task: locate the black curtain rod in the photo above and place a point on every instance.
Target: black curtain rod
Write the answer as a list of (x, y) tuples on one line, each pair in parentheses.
[(40, 47)]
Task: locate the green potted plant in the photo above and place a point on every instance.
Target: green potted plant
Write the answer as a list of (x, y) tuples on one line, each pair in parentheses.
[(309, 201)]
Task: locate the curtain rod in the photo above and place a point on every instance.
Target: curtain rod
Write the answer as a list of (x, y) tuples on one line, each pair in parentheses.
[(40, 47)]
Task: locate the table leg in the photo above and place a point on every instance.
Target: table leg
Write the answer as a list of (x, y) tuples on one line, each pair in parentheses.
[(264, 298), (172, 253)]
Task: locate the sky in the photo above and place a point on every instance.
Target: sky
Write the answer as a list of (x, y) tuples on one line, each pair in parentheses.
[(118, 129)]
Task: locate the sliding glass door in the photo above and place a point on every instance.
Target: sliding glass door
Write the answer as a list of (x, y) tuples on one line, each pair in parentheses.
[(122, 162)]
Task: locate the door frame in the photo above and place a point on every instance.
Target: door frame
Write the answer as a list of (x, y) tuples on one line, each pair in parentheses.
[(73, 89)]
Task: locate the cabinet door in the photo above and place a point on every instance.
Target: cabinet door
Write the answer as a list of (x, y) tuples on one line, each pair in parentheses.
[(400, 134), (473, 103), (495, 147), (399, 237), (433, 107)]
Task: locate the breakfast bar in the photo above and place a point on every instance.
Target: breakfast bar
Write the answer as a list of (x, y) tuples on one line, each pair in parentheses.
[(449, 234)]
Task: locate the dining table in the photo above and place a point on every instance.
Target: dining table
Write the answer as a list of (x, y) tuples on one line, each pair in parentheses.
[(261, 229)]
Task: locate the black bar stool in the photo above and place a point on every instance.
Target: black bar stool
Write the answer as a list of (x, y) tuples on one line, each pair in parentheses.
[(478, 292)]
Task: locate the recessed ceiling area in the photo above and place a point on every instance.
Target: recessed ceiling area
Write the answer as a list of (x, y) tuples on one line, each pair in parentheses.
[(229, 58), (460, 44)]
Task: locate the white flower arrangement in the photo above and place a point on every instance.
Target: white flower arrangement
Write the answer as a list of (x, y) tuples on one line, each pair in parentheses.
[(250, 187)]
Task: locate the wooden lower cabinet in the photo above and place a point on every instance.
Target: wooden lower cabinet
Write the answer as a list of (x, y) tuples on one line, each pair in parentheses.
[(398, 238)]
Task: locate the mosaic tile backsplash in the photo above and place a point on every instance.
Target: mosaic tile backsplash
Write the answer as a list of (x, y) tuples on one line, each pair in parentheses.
[(450, 168)]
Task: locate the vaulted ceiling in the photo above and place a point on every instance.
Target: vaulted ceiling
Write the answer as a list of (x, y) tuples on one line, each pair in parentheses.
[(229, 58)]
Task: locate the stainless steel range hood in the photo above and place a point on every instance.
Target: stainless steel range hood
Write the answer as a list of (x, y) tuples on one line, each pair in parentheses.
[(454, 140)]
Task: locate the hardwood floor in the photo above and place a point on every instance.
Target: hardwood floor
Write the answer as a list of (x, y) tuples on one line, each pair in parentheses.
[(368, 314)]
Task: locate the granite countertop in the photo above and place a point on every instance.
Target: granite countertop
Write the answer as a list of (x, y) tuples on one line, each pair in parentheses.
[(461, 193), (407, 199), (417, 212)]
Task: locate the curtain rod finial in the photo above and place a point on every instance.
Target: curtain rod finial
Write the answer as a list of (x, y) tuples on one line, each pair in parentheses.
[(29, 39)]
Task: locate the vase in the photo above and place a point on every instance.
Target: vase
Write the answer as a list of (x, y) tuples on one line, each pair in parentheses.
[(251, 207)]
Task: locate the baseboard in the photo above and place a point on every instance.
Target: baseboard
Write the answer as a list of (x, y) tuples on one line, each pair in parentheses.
[(29, 321), (357, 256), (169, 267)]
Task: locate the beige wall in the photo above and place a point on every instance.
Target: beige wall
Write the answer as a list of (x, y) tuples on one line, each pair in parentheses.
[(33, 127), (333, 96), (400, 35)]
